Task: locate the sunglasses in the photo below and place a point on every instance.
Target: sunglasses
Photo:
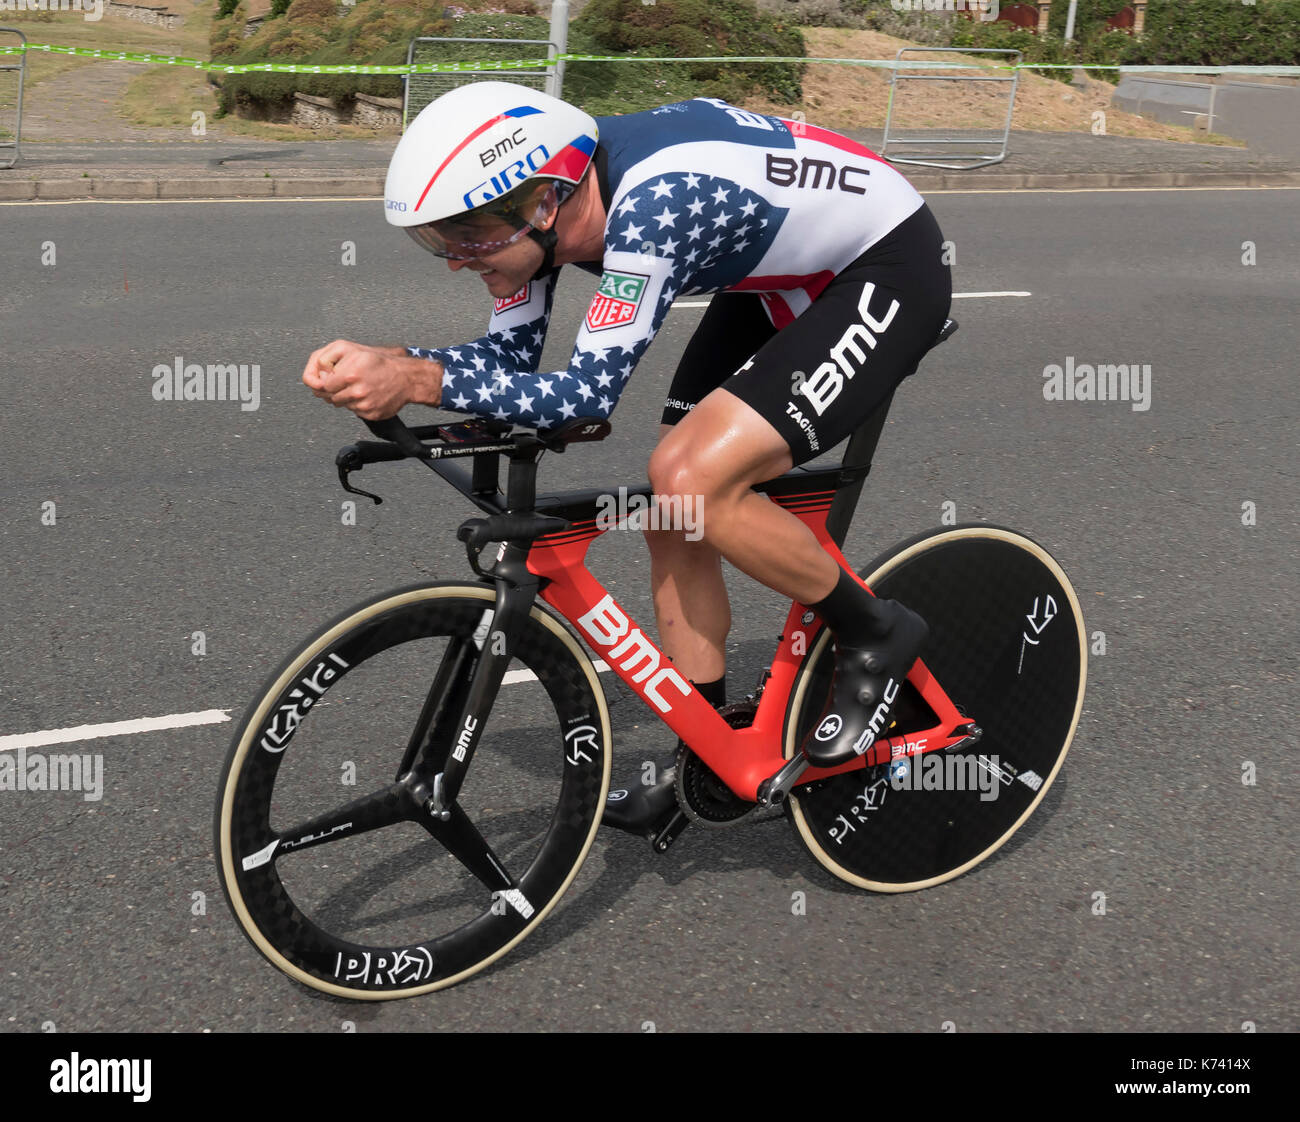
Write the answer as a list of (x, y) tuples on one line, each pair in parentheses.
[(491, 227)]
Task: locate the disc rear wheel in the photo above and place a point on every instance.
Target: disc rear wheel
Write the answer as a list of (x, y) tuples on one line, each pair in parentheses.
[(1007, 644)]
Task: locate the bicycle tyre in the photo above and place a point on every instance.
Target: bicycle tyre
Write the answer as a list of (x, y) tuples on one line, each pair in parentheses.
[(976, 585), (294, 927)]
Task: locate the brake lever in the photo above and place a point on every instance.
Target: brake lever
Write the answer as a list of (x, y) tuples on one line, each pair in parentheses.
[(347, 461), (391, 430)]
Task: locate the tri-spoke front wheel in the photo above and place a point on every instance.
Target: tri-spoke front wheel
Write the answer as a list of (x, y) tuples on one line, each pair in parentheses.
[(331, 846)]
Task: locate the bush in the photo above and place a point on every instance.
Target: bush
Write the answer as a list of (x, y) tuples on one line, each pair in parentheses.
[(699, 28), (1035, 48), (1089, 18), (1095, 44), (375, 31), (379, 31), (1219, 33), (814, 13), (318, 13)]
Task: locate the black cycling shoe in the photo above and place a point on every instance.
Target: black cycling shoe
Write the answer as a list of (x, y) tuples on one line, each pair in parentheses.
[(643, 808), (865, 687)]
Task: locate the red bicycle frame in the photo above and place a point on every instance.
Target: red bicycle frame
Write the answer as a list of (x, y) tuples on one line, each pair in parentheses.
[(741, 758)]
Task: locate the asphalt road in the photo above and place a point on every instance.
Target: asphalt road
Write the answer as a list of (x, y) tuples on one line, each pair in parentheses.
[(177, 518)]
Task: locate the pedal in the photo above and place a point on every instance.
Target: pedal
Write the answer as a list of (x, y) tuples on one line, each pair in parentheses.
[(772, 792), (669, 832), (970, 735)]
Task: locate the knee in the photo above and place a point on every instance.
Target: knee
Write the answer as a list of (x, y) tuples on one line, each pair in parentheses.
[(675, 481), (670, 469), (683, 473)]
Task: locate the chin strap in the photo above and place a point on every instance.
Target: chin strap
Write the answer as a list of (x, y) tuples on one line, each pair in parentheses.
[(546, 239)]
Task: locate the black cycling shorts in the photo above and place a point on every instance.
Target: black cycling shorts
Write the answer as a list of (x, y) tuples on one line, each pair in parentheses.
[(819, 378)]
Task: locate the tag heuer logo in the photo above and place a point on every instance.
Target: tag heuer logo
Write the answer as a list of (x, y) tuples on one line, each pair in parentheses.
[(520, 297), (617, 300)]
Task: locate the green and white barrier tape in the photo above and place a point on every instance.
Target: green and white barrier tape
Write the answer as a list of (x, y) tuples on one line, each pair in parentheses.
[(542, 63)]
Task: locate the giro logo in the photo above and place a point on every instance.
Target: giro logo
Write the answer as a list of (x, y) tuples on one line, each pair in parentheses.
[(877, 722), (824, 384), (830, 727), (610, 630), (393, 204), (508, 179)]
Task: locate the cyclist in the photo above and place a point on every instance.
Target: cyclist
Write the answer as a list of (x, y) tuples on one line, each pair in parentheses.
[(831, 286)]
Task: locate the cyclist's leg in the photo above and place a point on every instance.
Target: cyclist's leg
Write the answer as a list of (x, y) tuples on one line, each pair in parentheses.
[(860, 338), (690, 597)]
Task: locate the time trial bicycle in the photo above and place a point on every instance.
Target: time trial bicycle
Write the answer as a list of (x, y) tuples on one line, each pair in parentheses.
[(475, 727)]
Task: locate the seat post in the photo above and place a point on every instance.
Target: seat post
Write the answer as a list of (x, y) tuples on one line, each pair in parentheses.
[(857, 458)]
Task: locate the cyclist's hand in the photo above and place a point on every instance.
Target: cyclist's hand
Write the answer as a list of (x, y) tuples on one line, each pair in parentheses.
[(374, 382)]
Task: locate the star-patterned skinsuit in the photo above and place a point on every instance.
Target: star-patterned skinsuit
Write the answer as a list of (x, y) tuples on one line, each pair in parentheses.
[(701, 197)]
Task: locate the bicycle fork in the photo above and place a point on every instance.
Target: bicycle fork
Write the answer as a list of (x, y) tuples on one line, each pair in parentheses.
[(455, 713)]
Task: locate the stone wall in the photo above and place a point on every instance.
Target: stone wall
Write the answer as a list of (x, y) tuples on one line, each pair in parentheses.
[(384, 113), (381, 113), (159, 17)]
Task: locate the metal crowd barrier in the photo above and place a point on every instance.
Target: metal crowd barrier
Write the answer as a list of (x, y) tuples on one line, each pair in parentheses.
[(20, 67), (913, 148), (420, 89)]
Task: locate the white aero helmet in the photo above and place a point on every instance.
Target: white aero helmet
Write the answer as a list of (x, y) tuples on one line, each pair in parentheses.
[(482, 163)]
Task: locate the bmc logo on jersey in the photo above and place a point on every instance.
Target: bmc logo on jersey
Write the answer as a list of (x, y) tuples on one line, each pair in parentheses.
[(520, 297), (782, 171), (617, 299)]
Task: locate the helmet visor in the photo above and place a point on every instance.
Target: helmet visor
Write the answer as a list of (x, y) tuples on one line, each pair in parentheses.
[(491, 227)]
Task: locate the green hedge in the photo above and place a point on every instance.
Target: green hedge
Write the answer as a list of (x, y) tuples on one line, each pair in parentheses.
[(375, 31), (379, 31), (1219, 33), (1093, 44), (698, 28)]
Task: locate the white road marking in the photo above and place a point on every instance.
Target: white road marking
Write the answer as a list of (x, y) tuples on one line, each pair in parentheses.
[(513, 676), (113, 728), (15, 741)]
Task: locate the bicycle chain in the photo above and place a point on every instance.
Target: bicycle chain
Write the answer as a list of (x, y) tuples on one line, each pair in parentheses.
[(703, 797)]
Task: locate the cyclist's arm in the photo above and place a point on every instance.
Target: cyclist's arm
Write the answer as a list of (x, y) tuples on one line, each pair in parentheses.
[(511, 346), (497, 376)]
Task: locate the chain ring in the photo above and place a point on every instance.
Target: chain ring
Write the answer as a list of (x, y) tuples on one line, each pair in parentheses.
[(703, 797)]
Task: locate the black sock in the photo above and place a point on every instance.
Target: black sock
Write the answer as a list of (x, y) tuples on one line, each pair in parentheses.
[(851, 612), (715, 693)]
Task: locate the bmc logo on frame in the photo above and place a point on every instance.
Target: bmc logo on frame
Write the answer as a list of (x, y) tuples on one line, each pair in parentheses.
[(606, 625)]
